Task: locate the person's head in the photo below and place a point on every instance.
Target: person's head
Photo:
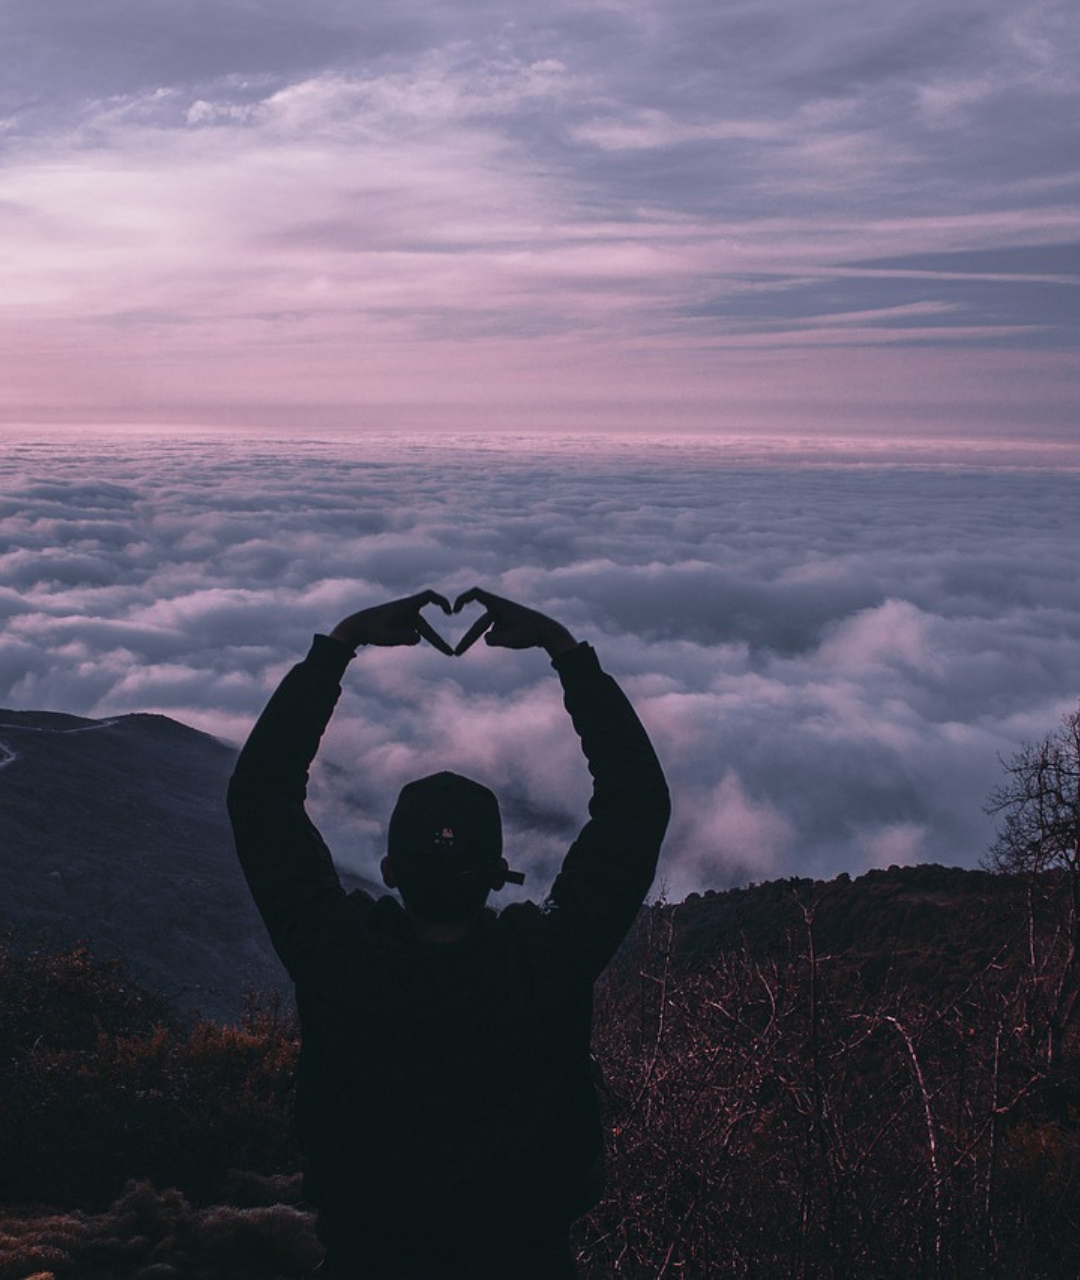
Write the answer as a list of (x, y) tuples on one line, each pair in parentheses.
[(444, 848)]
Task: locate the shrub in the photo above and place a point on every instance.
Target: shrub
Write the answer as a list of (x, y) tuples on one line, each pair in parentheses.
[(103, 1082)]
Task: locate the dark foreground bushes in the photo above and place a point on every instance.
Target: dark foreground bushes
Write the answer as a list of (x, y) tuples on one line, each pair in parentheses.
[(778, 1115), (776, 1119), (158, 1235), (102, 1083)]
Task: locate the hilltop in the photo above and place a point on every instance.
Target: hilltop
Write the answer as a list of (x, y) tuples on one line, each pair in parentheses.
[(114, 831), (924, 926)]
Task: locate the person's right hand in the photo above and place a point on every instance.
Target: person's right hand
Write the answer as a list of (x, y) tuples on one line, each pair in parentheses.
[(509, 625), (398, 622)]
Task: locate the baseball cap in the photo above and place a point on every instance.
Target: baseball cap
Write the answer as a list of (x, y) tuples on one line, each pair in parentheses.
[(446, 827)]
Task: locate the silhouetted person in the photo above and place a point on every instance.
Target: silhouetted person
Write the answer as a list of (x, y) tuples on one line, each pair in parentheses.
[(445, 1099)]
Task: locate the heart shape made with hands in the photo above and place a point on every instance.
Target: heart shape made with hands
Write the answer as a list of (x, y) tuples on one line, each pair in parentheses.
[(480, 623)]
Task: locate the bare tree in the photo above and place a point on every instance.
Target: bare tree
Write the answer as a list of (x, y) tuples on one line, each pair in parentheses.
[(1040, 800), (1040, 838)]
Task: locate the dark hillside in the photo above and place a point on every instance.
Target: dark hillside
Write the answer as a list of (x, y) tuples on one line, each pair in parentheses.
[(922, 926), (876, 1077), (115, 831), (773, 1108)]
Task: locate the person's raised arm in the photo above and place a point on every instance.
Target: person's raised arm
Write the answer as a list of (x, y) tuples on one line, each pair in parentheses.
[(288, 867), (610, 866)]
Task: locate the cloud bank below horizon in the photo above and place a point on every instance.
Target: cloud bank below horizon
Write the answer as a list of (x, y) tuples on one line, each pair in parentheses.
[(830, 659)]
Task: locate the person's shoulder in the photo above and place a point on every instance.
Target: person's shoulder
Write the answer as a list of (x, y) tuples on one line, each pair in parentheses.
[(383, 907), (537, 934), (382, 916), (530, 922), (519, 913)]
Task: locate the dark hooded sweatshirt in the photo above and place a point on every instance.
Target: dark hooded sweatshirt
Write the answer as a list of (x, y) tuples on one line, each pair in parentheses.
[(445, 1091)]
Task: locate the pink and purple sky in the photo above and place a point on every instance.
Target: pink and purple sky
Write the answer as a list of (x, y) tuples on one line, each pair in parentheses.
[(621, 214)]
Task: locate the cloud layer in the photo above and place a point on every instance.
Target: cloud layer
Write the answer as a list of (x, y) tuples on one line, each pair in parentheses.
[(830, 657), (645, 209)]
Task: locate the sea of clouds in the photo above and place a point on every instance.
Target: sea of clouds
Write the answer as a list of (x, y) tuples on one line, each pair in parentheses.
[(832, 651)]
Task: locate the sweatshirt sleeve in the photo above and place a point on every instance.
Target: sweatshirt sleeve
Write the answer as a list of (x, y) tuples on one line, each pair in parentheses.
[(286, 862), (610, 866)]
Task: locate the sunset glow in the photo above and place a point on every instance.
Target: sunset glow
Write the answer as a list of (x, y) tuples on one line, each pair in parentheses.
[(610, 217)]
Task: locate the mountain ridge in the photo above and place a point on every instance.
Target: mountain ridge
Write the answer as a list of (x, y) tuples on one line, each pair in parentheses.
[(115, 832)]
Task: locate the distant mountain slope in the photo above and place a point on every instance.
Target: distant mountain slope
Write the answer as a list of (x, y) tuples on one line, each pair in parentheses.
[(115, 831), (925, 927)]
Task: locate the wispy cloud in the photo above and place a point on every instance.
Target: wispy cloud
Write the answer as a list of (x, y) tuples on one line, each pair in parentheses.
[(342, 198)]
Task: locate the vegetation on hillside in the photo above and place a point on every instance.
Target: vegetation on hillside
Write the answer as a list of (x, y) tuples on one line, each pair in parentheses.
[(103, 1082), (797, 1110), (848, 1078)]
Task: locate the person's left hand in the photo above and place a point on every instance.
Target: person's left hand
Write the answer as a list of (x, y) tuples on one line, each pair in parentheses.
[(508, 625), (395, 623)]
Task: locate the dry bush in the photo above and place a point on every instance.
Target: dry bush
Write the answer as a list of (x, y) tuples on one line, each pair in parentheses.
[(147, 1233), (777, 1119), (104, 1083), (798, 1115)]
